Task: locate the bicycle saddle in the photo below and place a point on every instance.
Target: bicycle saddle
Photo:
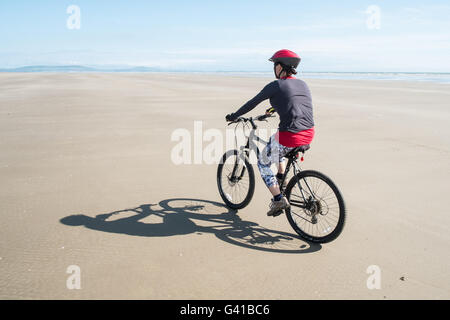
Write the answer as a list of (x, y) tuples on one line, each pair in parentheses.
[(294, 152)]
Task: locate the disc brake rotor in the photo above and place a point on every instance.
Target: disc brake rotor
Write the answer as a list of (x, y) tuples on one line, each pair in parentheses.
[(314, 208)]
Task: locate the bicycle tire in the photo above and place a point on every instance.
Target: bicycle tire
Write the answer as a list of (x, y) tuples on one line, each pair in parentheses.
[(342, 210), (251, 175)]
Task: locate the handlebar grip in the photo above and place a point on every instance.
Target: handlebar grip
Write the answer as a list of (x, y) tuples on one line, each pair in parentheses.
[(237, 120), (262, 117), (270, 110)]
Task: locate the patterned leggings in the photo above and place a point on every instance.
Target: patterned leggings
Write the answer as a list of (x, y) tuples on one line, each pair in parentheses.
[(273, 152)]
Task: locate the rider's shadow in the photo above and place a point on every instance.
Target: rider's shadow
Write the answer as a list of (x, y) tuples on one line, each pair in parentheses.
[(175, 217)]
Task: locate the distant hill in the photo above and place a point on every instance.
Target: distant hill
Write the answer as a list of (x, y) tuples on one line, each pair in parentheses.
[(74, 68)]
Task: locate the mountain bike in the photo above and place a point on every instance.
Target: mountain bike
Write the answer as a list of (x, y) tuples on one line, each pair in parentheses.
[(317, 209)]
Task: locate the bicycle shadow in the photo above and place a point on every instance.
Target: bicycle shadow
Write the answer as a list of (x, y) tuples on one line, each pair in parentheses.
[(177, 217)]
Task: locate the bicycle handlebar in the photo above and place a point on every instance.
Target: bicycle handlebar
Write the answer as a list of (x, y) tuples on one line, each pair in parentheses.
[(262, 117)]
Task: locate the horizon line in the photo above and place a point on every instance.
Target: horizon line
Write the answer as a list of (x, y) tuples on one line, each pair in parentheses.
[(125, 68)]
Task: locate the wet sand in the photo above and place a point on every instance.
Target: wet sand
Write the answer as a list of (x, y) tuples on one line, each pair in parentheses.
[(87, 180)]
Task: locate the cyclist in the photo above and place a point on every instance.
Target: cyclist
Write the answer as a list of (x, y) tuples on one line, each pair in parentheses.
[(291, 99)]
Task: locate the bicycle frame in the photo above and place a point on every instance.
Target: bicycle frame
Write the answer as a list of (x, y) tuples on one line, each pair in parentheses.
[(293, 162), (307, 202), (244, 151), (251, 139)]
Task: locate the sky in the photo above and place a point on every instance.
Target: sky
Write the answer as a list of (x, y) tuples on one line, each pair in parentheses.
[(353, 36)]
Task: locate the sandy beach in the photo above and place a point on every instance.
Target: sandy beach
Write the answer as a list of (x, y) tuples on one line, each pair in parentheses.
[(87, 180)]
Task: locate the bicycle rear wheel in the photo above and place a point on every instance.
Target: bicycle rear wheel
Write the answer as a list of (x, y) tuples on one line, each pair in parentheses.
[(317, 211), (235, 180)]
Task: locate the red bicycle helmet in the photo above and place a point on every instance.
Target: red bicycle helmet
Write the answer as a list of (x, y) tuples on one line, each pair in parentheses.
[(286, 57)]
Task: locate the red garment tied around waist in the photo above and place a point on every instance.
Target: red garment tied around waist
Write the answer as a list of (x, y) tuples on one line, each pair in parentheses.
[(291, 140)]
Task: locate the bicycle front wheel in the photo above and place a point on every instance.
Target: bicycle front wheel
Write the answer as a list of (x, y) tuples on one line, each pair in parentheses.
[(317, 211), (235, 180)]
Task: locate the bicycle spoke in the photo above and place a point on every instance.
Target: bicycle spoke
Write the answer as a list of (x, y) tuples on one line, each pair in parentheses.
[(315, 189), (237, 190)]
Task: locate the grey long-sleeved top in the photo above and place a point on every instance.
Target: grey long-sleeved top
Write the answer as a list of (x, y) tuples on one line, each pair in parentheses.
[(291, 99)]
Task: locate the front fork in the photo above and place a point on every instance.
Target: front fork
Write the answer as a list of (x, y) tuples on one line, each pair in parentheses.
[(237, 174)]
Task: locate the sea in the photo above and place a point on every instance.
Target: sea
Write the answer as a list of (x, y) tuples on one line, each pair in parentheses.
[(443, 78), (435, 77)]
